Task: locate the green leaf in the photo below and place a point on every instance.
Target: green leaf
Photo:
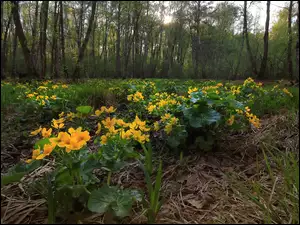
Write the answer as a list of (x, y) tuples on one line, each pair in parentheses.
[(7, 179), (110, 198), (17, 172), (173, 142), (203, 119), (41, 143), (84, 109)]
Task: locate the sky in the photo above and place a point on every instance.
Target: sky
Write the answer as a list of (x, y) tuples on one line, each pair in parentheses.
[(256, 8)]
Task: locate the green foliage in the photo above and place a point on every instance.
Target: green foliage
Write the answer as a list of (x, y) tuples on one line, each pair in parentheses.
[(154, 203), (17, 172), (112, 199)]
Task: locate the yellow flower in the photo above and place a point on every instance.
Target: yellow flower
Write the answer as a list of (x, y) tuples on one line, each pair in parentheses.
[(133, 125), (239, 111), (168, 128), (71, 130), (230, 120), (165, 117), (35, 153), (28, 160), (60, 138), (191, 90), (219, 84), (61, 115), (98, 128), (81, 136), (217, 92), (121, 123), (151, 108), (126, 135), (30, 95), (53, 97), (54, 86), (57, 125), (143, 128), (43, 102), (173, 120), (287, 92), (48, 148), (110, 109), (247, 109), (42, 87), (98, 112), (108, 123), (35, 132), (139, 122), (46, 133), (103, 139), (129, 97), (64, 86)]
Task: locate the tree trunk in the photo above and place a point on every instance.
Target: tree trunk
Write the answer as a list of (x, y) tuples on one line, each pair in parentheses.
[(118, 57), (54, 43), (297, 45), (2, 52), (253, 63), (289, 56), (263, 66), (76, 73), (14, 53), (20, 33), (43, 36), (4, 47), (34, 32), (62, 39)]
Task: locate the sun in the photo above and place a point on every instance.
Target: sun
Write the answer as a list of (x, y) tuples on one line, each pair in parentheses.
[(168, 19)]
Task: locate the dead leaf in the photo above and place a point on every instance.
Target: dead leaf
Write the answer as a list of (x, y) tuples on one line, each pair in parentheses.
[(195, 203)]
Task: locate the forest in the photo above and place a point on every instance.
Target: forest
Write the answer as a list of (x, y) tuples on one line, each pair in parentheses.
[(150, 112), (130, 39)]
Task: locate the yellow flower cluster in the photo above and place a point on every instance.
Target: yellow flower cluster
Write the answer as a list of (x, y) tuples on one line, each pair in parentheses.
[(191, 90), (169, 121), (249, 80), (252, 118), (58, 124), (103, 109), (73, 140), (230, 120), (161, 101), (138, 96), (287, 92), (134, 129), (45, 133), (235, 90)]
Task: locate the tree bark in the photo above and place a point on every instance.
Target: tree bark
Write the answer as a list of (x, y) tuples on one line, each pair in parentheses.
[(297, 45), (289, 56), (76, 73), (20, 33), (62, 39), (4, 47), (14, 53), (253, 63), (2, 52), (118, 48), (43, 36), (34, 32), (54, 43), (263, 66)]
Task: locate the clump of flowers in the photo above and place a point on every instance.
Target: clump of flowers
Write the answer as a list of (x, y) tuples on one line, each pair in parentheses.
[(138, 96)]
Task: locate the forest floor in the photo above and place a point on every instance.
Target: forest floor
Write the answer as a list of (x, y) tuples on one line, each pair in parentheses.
[(213, 187)]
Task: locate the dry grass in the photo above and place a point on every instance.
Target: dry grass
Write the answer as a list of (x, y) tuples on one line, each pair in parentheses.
[(201, 189)]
